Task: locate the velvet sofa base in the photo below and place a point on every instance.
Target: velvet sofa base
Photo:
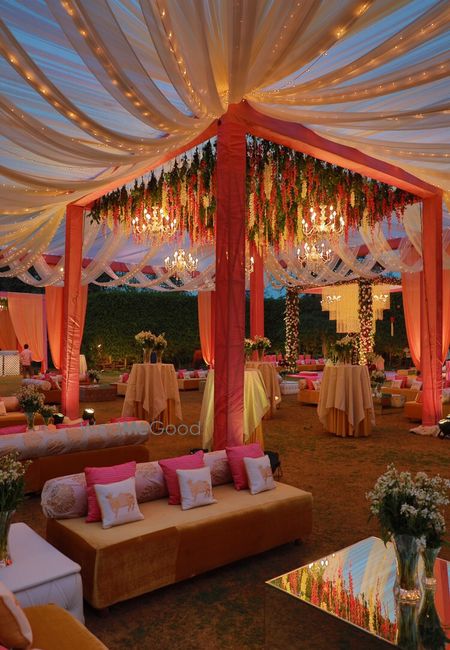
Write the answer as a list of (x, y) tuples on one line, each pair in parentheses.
[(307, 396), (170, 545), (13, 418), (47, 467), (55, 629)]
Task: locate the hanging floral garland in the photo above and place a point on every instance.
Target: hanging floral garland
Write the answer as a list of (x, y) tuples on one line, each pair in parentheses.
[(291, 321), (365, 315), (282, 188)]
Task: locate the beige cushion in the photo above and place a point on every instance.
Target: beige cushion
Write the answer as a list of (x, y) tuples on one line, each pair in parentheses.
[(11, 403), (217, 461)]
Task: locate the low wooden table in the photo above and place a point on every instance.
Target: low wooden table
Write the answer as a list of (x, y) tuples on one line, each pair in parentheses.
[(40, 574), (97, 393)]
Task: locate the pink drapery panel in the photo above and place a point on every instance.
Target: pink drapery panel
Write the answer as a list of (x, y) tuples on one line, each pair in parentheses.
[(230, 282), (411, 286), (27, 316), (411, 306), (8, 340), (206, 323), (54, 304), (73, 315)]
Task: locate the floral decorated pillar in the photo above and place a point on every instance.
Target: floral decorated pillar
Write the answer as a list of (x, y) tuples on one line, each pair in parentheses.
[(291, 321), (366, 322), (256, 294)]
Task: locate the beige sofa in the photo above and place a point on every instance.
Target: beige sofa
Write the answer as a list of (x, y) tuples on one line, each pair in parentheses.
[(13, 415), (57, 452), (170, 544), (308, 396)]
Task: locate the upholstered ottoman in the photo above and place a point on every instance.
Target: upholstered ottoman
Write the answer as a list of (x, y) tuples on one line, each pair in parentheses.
[(97, 393)]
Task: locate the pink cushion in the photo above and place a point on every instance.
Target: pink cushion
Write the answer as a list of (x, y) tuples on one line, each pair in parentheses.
[(180, 374), (195, 375), (125, 418), (103, 476), (309, 384), (235, 457), (18, 428), (404, 380), (125, 377), (169, 467)]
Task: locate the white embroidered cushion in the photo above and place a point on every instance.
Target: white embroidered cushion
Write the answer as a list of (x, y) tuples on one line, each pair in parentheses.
[(118, 503), (195, 487), (217, 461), (259, 474), (416, 385), (397, 383)]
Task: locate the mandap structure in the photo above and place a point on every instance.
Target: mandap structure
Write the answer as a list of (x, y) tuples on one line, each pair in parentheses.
[(325, 160)]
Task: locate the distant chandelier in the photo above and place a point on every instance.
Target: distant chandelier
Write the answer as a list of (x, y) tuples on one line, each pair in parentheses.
[(381, 298), (330, 300), (181, 263), (249, 265), (326, 225), (155, 224), (313, 255)]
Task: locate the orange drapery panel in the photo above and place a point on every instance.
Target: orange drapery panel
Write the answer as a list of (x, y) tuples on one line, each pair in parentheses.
[(411, 287), (8, 340), (411, 306), (206, 323), (27, 316), (54, 304), (73, 314)]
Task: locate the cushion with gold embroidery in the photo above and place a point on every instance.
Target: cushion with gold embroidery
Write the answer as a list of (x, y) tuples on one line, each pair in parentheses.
[(195, 487), (118, 503), (259, 474)]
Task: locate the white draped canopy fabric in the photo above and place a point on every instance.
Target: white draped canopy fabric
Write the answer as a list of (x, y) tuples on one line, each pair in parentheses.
[(92, 93)]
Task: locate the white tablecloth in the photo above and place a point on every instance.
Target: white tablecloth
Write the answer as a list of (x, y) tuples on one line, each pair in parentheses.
[(152, 393), (256, 405), (40, 574), (83, 365), (345, 401)]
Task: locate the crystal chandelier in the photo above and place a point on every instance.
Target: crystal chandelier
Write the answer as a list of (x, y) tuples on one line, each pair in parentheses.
[(381, 298), (249, 265), (324, 225), (313, 255), (181, 263), (156, 224)]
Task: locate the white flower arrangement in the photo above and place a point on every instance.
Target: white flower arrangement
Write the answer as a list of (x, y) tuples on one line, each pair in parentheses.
[(160, 342), (30, 399), (261, 343), (248, 345), (410, 506), (12, 482), (146, 339), (377, 377)]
